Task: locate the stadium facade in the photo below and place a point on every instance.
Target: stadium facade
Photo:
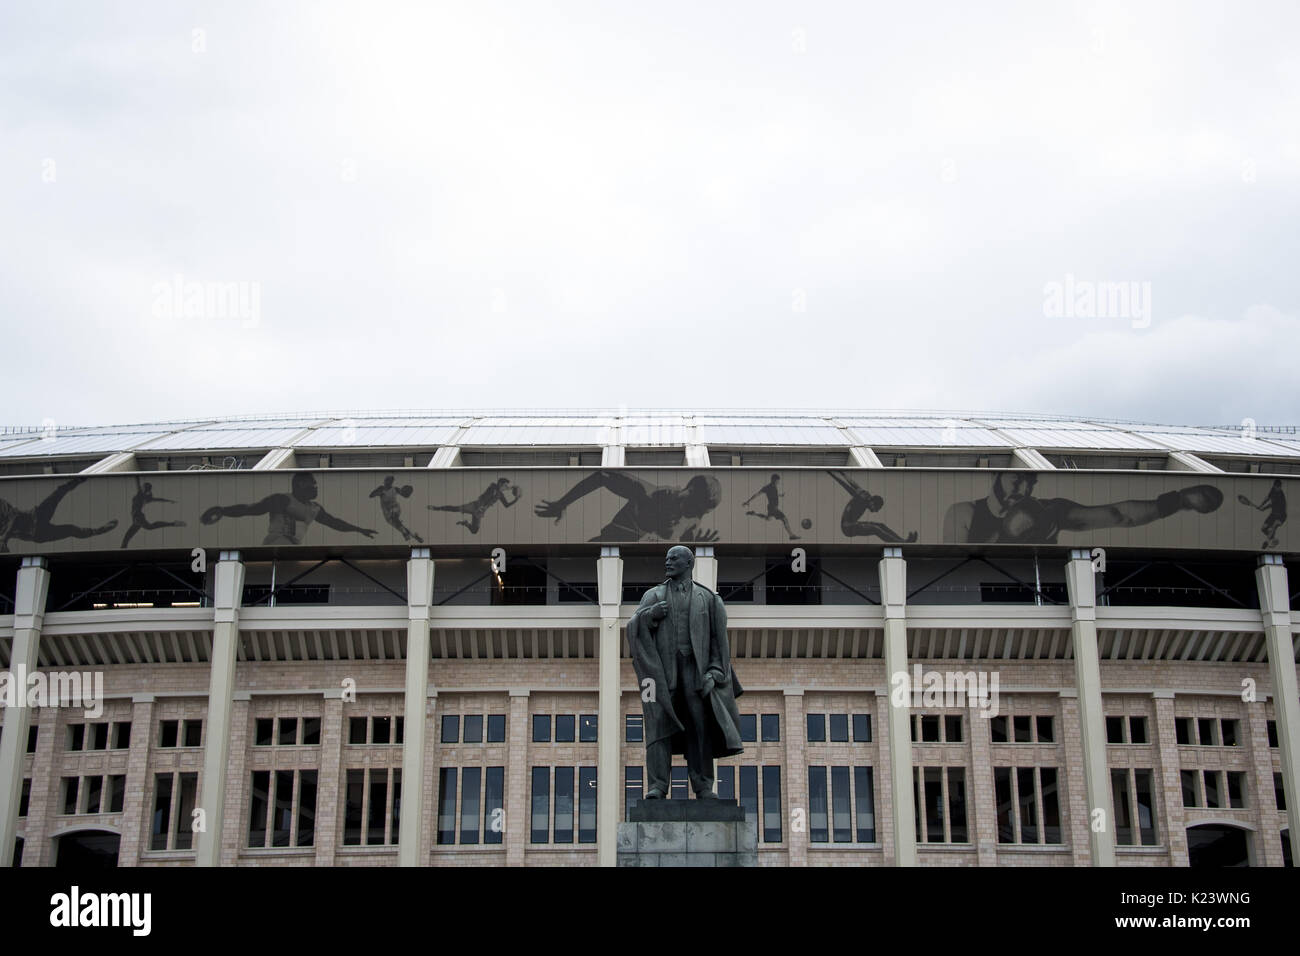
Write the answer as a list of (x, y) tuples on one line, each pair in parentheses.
[(383, 639)]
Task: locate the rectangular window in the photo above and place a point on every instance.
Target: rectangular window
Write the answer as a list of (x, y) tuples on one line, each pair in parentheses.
[(258, 795), (1135, 810), (116, 793), (1191, 788), (749, 796), (381, 730), (1023, 728), (1005, 804), (469, 797), (1279, 792), (862, 728), (1028, 804), (1231, 733), (357, 730), (1213, 795), (541, 728), (168, 732), (311, 732), (287, 734), (192, 733), (183, 834), (496, 728), (99, 736), (932, 793), (494, 791), (94, 793), (162, 810), (952, 728), (929, 728), (306, 807), (771, 727), (1137, 730), (1272, 733), (1051, 805), (564, 728), (634, 784), (447, 805), (282, 814), (77, 736), (841, 824), (451, 729), (1114, 730), (354, 806), (1207, 726), (540, 826), (586, 804), (1119, 780), (634, 728), (26, 796), (749, 728), (957, 832), (998, 729), (398, 729), (378, 807), (818, 810), (839, 728), (679, 784), (772, 824), (865, 793), (1183, 731), (71, 792), (263, 732), (1236, 789), (473, 729), (563, 802), (587, 729), (1046, 732), (816, 728), (1146, 806), (31, 738)]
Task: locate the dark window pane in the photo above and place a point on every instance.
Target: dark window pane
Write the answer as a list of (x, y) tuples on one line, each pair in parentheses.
[(679, 784), (1213, 796), (540, 827), (70, 793), (1183, 730), (727, 783), (32, 733), (357, 730), (99, 737), (1114, 730), (282, 816), (494, 819), (1123, 815), (26, 796), (193, 735), (541, 730), (862, 728), (749, 796), (1236, 789), (816, 728), (564, 724), (586, 804), (496, 728), (998, 730), (772, 823), (167, 737), (1005, 803), (957, 805), (933, 804), (841, 823), (1137, 730), (162, 811), (1028, 805), (381, 730), (447, 805), (378, 806), (306, 808), (771, 727), (1272, 733), (263, 732), (587, 729), (258, 797), (94, 793), (469, 795), (1231, 737), (288, 732), (185, 811), (818, 806), (1190, 787), (397, 804), (450, 729), (634, 787), (952, 728), (634, 728), (1279, 791), (77, 736), (839, 728), (864, 792), (1051, 805), (352, 814), (930, 728), (1206, 727), (1046, 733), (1023, 728), (311, 731), (116, 792), (473, 729), (1146, 807), (398, 729), (748, 728)]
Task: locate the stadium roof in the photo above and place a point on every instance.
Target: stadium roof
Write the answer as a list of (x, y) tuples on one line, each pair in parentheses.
[(650, 428)]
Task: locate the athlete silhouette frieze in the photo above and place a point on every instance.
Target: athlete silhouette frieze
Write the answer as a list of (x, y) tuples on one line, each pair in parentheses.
[(649, 512)]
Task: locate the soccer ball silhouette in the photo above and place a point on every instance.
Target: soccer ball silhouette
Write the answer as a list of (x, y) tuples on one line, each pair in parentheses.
[(806, 523)]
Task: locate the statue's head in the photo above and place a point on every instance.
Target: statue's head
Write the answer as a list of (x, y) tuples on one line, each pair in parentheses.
[(679, 561)]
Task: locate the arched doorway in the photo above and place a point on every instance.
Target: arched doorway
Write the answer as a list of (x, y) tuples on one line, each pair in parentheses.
[(87, 849), (1217, 845)]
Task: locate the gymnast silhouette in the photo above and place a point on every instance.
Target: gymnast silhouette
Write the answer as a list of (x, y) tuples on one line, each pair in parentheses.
[(36, 525), (144, 495)]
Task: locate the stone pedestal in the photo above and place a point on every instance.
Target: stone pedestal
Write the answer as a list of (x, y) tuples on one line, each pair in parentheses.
[(686, 833)]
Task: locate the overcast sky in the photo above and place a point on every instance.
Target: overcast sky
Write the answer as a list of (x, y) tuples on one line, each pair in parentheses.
[(670, 204)]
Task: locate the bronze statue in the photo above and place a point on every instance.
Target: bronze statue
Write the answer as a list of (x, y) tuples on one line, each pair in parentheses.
[(682, 659)]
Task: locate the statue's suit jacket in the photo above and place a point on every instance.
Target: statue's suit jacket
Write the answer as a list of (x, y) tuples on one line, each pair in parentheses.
[(654, 657)]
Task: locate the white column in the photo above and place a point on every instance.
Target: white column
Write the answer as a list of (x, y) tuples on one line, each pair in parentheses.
[(1275, 606), (29, 613), (609, 789), (1082, 589), (893, 600), (419, 598), (706, 568), (227, 596)]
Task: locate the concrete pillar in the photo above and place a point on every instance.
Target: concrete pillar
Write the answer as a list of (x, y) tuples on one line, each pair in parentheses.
[(330, 780), (1170, 782), (893, 601), (1082, 589), (706, 567), (227, 596), (609, 788), (983, 798), (518, 775), (419, 598), (239, 785), (29, 615), (44, 801), (796, 777), (884, 774), (135, 805), (1271, 821), (1075, 807), (1275, 607)]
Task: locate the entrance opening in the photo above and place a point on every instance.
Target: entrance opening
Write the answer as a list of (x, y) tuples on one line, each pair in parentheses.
[(1216, 845), (87, 850)]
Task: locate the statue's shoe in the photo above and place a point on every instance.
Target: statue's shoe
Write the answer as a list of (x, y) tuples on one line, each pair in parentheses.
[(654, 794), (706, 795)]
